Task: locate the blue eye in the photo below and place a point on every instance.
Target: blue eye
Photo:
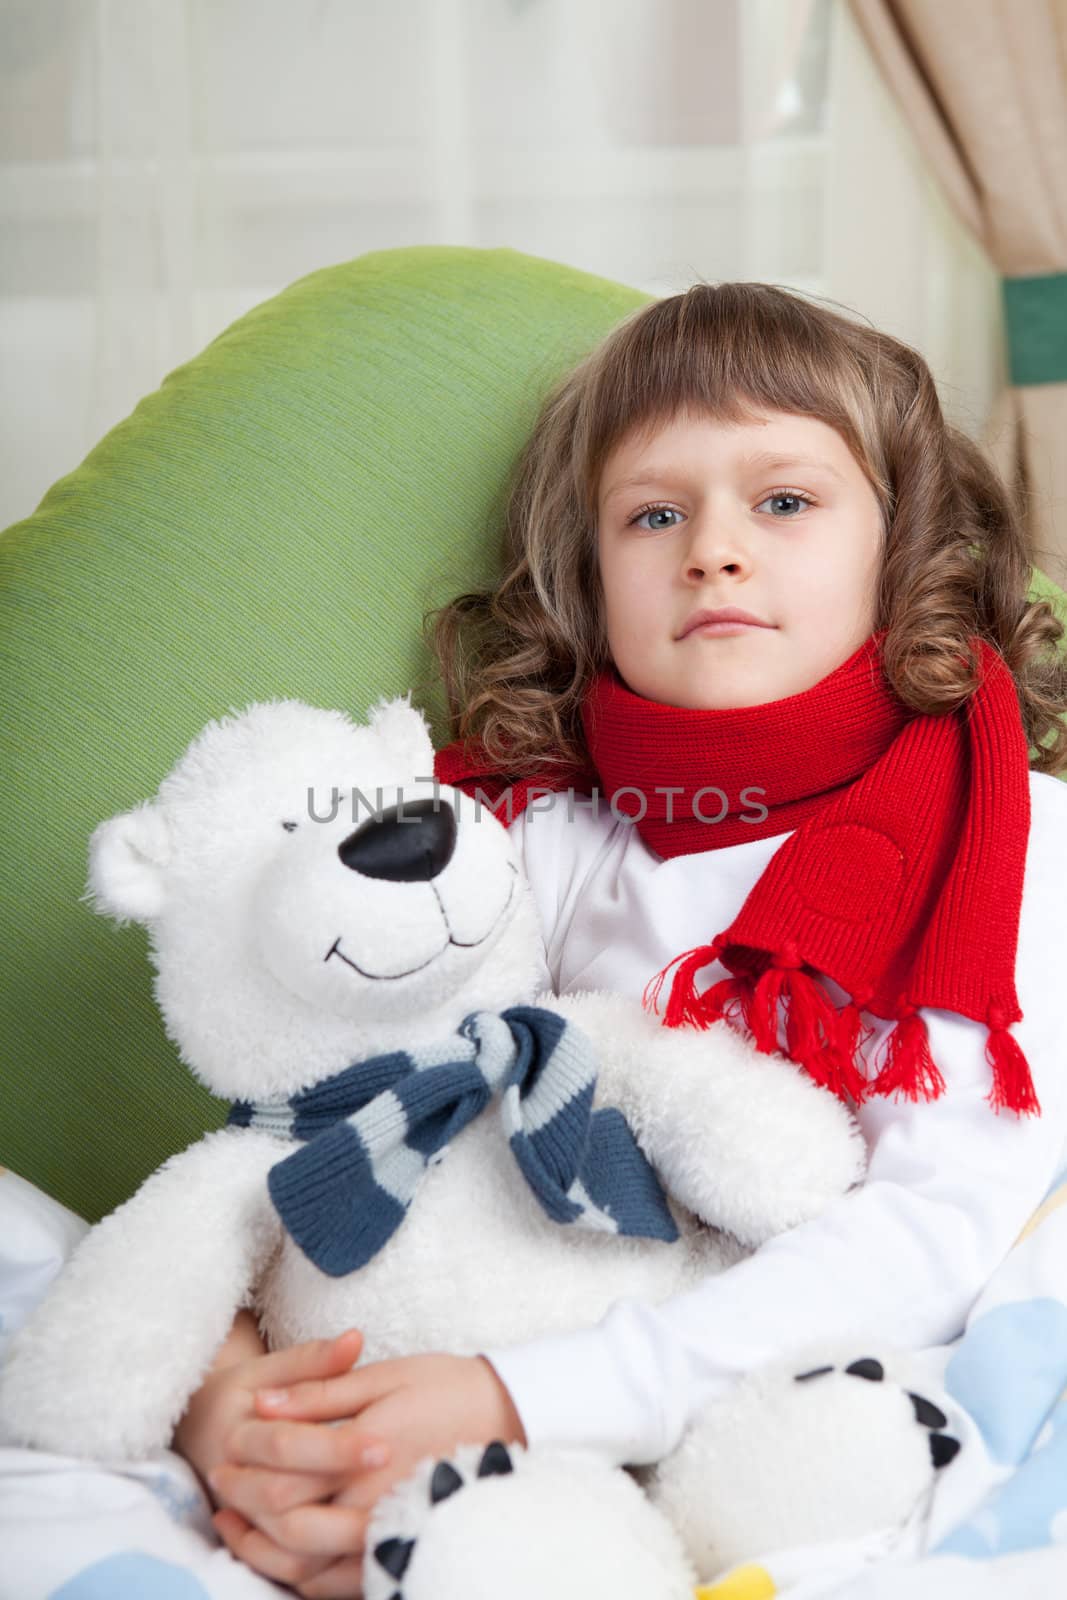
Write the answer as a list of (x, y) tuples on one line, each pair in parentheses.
[(788, 494), (795, 495), (649, 511)]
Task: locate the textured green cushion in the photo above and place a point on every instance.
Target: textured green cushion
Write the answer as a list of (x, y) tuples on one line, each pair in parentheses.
[(273, 520)]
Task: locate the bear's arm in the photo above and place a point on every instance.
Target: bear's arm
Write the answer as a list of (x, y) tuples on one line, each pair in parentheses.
[(743, 1139), (105, 1364)]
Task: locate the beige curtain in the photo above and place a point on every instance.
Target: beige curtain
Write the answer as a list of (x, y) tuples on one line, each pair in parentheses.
[(983, 84)]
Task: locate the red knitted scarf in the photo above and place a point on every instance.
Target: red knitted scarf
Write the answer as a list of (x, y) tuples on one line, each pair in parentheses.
[(901, 880)]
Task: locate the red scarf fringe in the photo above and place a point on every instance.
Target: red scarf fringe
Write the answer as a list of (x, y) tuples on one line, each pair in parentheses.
[(909, 1067), (829, 1043), (1012, 1085)]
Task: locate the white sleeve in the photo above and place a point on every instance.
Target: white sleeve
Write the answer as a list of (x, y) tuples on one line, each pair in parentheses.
[(950, 1185)]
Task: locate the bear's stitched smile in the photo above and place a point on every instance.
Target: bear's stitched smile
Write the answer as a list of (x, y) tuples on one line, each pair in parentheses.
[(463, 944)]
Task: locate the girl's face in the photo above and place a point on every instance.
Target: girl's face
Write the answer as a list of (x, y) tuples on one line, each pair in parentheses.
[(775, 517)]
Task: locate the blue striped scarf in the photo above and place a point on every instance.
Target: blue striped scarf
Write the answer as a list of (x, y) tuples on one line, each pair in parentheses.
[(370, 1130)]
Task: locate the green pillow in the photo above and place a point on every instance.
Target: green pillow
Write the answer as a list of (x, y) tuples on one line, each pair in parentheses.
[(274, 520)]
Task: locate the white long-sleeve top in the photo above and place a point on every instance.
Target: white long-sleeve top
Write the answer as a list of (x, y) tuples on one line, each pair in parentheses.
[(949, 1185)]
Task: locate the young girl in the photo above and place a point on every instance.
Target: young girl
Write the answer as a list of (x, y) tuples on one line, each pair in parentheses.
[(823, 807)]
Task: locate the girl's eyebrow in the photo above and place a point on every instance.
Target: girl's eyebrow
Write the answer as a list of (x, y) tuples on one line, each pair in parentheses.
[(766, 459)]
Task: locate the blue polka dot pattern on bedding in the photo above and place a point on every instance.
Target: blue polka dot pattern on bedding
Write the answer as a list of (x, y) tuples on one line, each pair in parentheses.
[(131, 1575), (1029, 1510), (1009, 1371)]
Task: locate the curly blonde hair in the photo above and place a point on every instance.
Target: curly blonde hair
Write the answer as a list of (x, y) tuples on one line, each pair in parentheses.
[(516, 658)]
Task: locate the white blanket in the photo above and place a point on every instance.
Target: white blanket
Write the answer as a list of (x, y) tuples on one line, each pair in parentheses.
[(994, 1524), (72, 1530)]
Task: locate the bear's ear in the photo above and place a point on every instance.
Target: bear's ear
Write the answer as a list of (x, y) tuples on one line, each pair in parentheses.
[(403, 728), (128, 856)]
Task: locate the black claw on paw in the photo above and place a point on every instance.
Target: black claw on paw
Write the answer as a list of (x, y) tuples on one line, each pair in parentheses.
[(943, 1449), (495, 1459), (816, 1372), (926, 1412), (394, 1555), (445, 1481), (867, 1367)]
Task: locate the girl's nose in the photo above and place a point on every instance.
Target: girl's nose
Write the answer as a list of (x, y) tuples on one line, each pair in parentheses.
[(714, 549)]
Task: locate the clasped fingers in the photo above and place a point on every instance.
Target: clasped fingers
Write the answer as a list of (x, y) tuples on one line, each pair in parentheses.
[(261, 1492), (324, 1576), (341, 1448), (318, 1399), (314, 1531)]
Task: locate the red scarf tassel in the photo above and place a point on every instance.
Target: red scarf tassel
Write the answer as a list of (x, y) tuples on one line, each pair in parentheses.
[(684, 1005), (909, 1067), (814, 1035), (828, 1043), (817, 1037), (1013, 1086), (853, 1034)]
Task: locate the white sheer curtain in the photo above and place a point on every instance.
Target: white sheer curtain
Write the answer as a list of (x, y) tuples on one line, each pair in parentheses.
[(165, 164)]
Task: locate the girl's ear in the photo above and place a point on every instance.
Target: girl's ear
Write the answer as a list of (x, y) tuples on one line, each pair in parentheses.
[(128, 856), (402, 727)]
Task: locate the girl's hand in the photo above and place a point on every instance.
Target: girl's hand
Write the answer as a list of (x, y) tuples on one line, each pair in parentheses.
[(224, 1401), (418, 1405)]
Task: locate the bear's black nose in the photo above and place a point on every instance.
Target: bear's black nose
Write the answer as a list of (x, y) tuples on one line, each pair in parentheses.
[(409, 843)]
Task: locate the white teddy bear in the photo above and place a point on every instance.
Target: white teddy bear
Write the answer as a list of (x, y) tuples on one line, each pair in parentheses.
[(323, 913)]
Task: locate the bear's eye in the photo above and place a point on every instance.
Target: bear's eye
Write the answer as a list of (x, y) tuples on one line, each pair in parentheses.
[(290, 827)]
